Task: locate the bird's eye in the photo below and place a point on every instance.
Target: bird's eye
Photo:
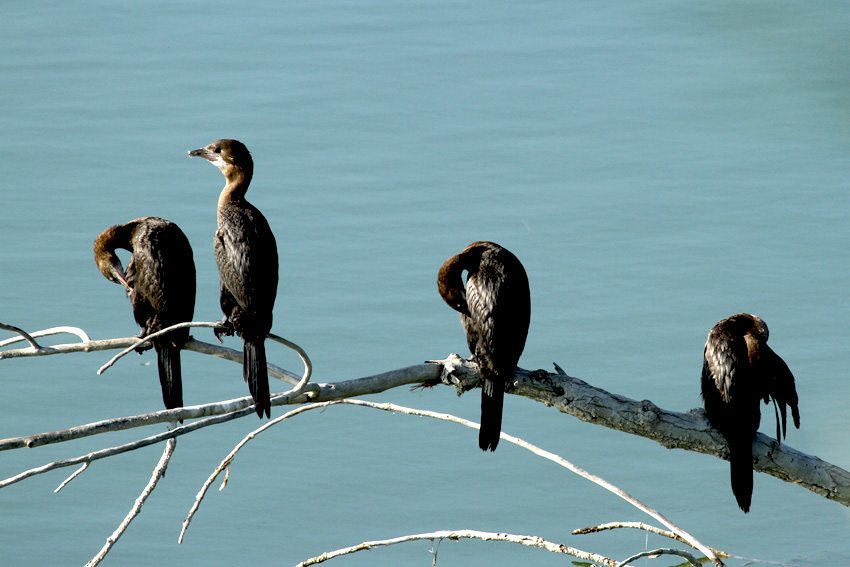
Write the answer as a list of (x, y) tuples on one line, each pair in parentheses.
[(218, 150)]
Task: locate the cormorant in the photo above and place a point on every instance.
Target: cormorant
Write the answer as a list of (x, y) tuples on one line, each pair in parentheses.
[(160, 282), (495, 310), (740, 370), (246, 253)]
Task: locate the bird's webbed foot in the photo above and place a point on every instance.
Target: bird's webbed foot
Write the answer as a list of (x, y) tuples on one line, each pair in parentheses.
[(457, 372), (225, 329)]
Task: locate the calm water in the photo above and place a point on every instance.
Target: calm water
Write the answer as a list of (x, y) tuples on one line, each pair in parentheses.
[(657, 166)]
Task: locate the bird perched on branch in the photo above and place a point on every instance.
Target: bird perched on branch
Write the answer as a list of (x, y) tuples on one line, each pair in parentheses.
[(495, 310), (160, 282), (246, 254), (739, 371)]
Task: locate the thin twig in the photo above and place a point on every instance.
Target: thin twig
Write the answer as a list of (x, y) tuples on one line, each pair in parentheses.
[(225, 463), (147, 338), (324, 392), (454, 535), (661, 551), (88, 346), (26, 336), (74, 475), (308, 365), (646, 527), (435, 548), (237, 408), (691, 540), (130, 342), (111, 451), (46, 332), (236, 356), (157, 474)]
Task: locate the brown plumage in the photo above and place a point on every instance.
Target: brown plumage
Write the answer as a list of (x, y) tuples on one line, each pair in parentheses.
[(495, 310), (738, 371), (246, 253), (160, 282)]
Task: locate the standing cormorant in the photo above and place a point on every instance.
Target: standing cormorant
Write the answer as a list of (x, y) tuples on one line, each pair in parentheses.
[(246, 253), (495, 310), (160, 282), (740, 370)]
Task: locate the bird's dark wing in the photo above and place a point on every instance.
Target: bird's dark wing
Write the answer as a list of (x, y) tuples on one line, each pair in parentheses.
[(500, 306), (246, 253), (163, 273), (779, 385), (724, 356), (232, 264), (479, 325)]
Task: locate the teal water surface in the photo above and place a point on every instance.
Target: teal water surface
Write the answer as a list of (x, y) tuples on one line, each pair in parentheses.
[(657, 166)]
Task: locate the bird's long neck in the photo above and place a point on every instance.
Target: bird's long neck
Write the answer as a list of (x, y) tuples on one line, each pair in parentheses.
[(238, 180), (450, 283), (104, 251), (752, 348)]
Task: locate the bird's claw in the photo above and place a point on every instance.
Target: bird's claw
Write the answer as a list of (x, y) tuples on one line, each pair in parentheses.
[(225, 329), (146, 346)]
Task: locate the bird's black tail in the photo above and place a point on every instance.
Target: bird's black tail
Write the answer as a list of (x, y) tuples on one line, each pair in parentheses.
[(170, 378), (492, 400), (256, 373), (741, 467)]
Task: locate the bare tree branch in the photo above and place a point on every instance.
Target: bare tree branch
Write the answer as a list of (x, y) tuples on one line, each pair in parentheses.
[(673, 430), (44, 333), (147, 339), (661, 551), (230, 456), (689, 431), (285, 375), (129, 343), (317, 392), (394, 408), (645, 527), (454, 535), (689, 539), (74, 475), (24, 335), (158, 473)]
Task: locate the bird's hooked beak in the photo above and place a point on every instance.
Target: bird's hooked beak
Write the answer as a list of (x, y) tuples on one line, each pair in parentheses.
[(123, 281), (204, 153), (111, 267), (116, 271)]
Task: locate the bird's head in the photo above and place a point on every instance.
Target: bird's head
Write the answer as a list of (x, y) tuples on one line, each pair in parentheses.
[(230, 156)]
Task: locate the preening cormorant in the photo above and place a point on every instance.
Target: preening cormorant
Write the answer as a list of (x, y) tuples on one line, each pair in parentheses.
[(160, 281), (495, 310), (739, 371), (246, 253)]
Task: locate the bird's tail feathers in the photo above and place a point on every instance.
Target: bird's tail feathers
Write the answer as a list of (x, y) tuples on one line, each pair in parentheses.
[(741, 468), (256, 374), (170, 379), (492, 400)]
